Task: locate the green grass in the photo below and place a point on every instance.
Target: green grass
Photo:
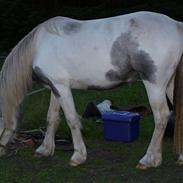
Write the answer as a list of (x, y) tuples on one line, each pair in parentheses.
[(107, 161)]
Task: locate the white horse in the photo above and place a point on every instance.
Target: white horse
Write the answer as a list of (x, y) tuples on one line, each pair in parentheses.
[(64, 53)]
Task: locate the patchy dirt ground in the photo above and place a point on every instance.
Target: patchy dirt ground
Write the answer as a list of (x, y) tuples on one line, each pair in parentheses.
[(107, 162)]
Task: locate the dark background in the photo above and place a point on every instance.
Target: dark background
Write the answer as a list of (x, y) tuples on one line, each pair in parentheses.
[(18, 17)]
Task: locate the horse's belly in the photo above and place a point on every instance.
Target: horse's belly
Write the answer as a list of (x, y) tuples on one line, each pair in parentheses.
[(90, 79), (92, 84)]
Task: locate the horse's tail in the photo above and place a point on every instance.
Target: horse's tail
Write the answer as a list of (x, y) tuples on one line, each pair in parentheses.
[(178, 103), (16, 77)]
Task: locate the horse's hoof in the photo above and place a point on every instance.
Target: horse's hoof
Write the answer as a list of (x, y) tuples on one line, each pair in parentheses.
[(74, 163), (180, 162), (141, 166), (44, 151), (38, 155)]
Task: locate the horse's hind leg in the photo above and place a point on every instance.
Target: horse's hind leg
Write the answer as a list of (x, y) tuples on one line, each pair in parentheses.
[(47, 148), (157, 99), (67, 104)]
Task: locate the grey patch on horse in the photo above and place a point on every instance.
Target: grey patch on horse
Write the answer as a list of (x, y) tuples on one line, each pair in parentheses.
[(113, 75), (144, 65), (127, 59), (71, 27), (133, 23), (39, 76)]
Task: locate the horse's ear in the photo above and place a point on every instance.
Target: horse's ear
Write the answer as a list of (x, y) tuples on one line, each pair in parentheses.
[(178, 103)]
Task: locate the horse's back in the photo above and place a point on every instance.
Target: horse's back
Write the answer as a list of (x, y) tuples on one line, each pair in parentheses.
[(92, 51), (64, 25), (143, 26)]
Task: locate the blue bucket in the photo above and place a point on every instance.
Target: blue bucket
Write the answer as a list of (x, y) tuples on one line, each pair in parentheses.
[(121, 126)]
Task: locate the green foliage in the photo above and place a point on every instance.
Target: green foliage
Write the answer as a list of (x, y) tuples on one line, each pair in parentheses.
[(35, 106), (107, 161)]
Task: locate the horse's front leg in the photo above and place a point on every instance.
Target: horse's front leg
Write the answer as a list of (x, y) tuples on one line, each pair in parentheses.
[(157, 99), (47, 148), (67, 104)]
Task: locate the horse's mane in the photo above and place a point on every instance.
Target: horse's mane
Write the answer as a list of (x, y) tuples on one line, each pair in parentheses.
[(16, 76)]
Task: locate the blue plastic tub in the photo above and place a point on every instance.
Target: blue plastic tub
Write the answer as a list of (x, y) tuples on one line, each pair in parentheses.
[(121, 126)]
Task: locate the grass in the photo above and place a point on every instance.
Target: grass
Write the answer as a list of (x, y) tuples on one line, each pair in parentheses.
[(107, 161)]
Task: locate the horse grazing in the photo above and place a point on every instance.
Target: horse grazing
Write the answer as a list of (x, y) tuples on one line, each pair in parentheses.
[(64, 53)]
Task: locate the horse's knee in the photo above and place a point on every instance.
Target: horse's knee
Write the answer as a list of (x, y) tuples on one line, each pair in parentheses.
[(74, 125), (52, 117), (161, 125), (74, 122)]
